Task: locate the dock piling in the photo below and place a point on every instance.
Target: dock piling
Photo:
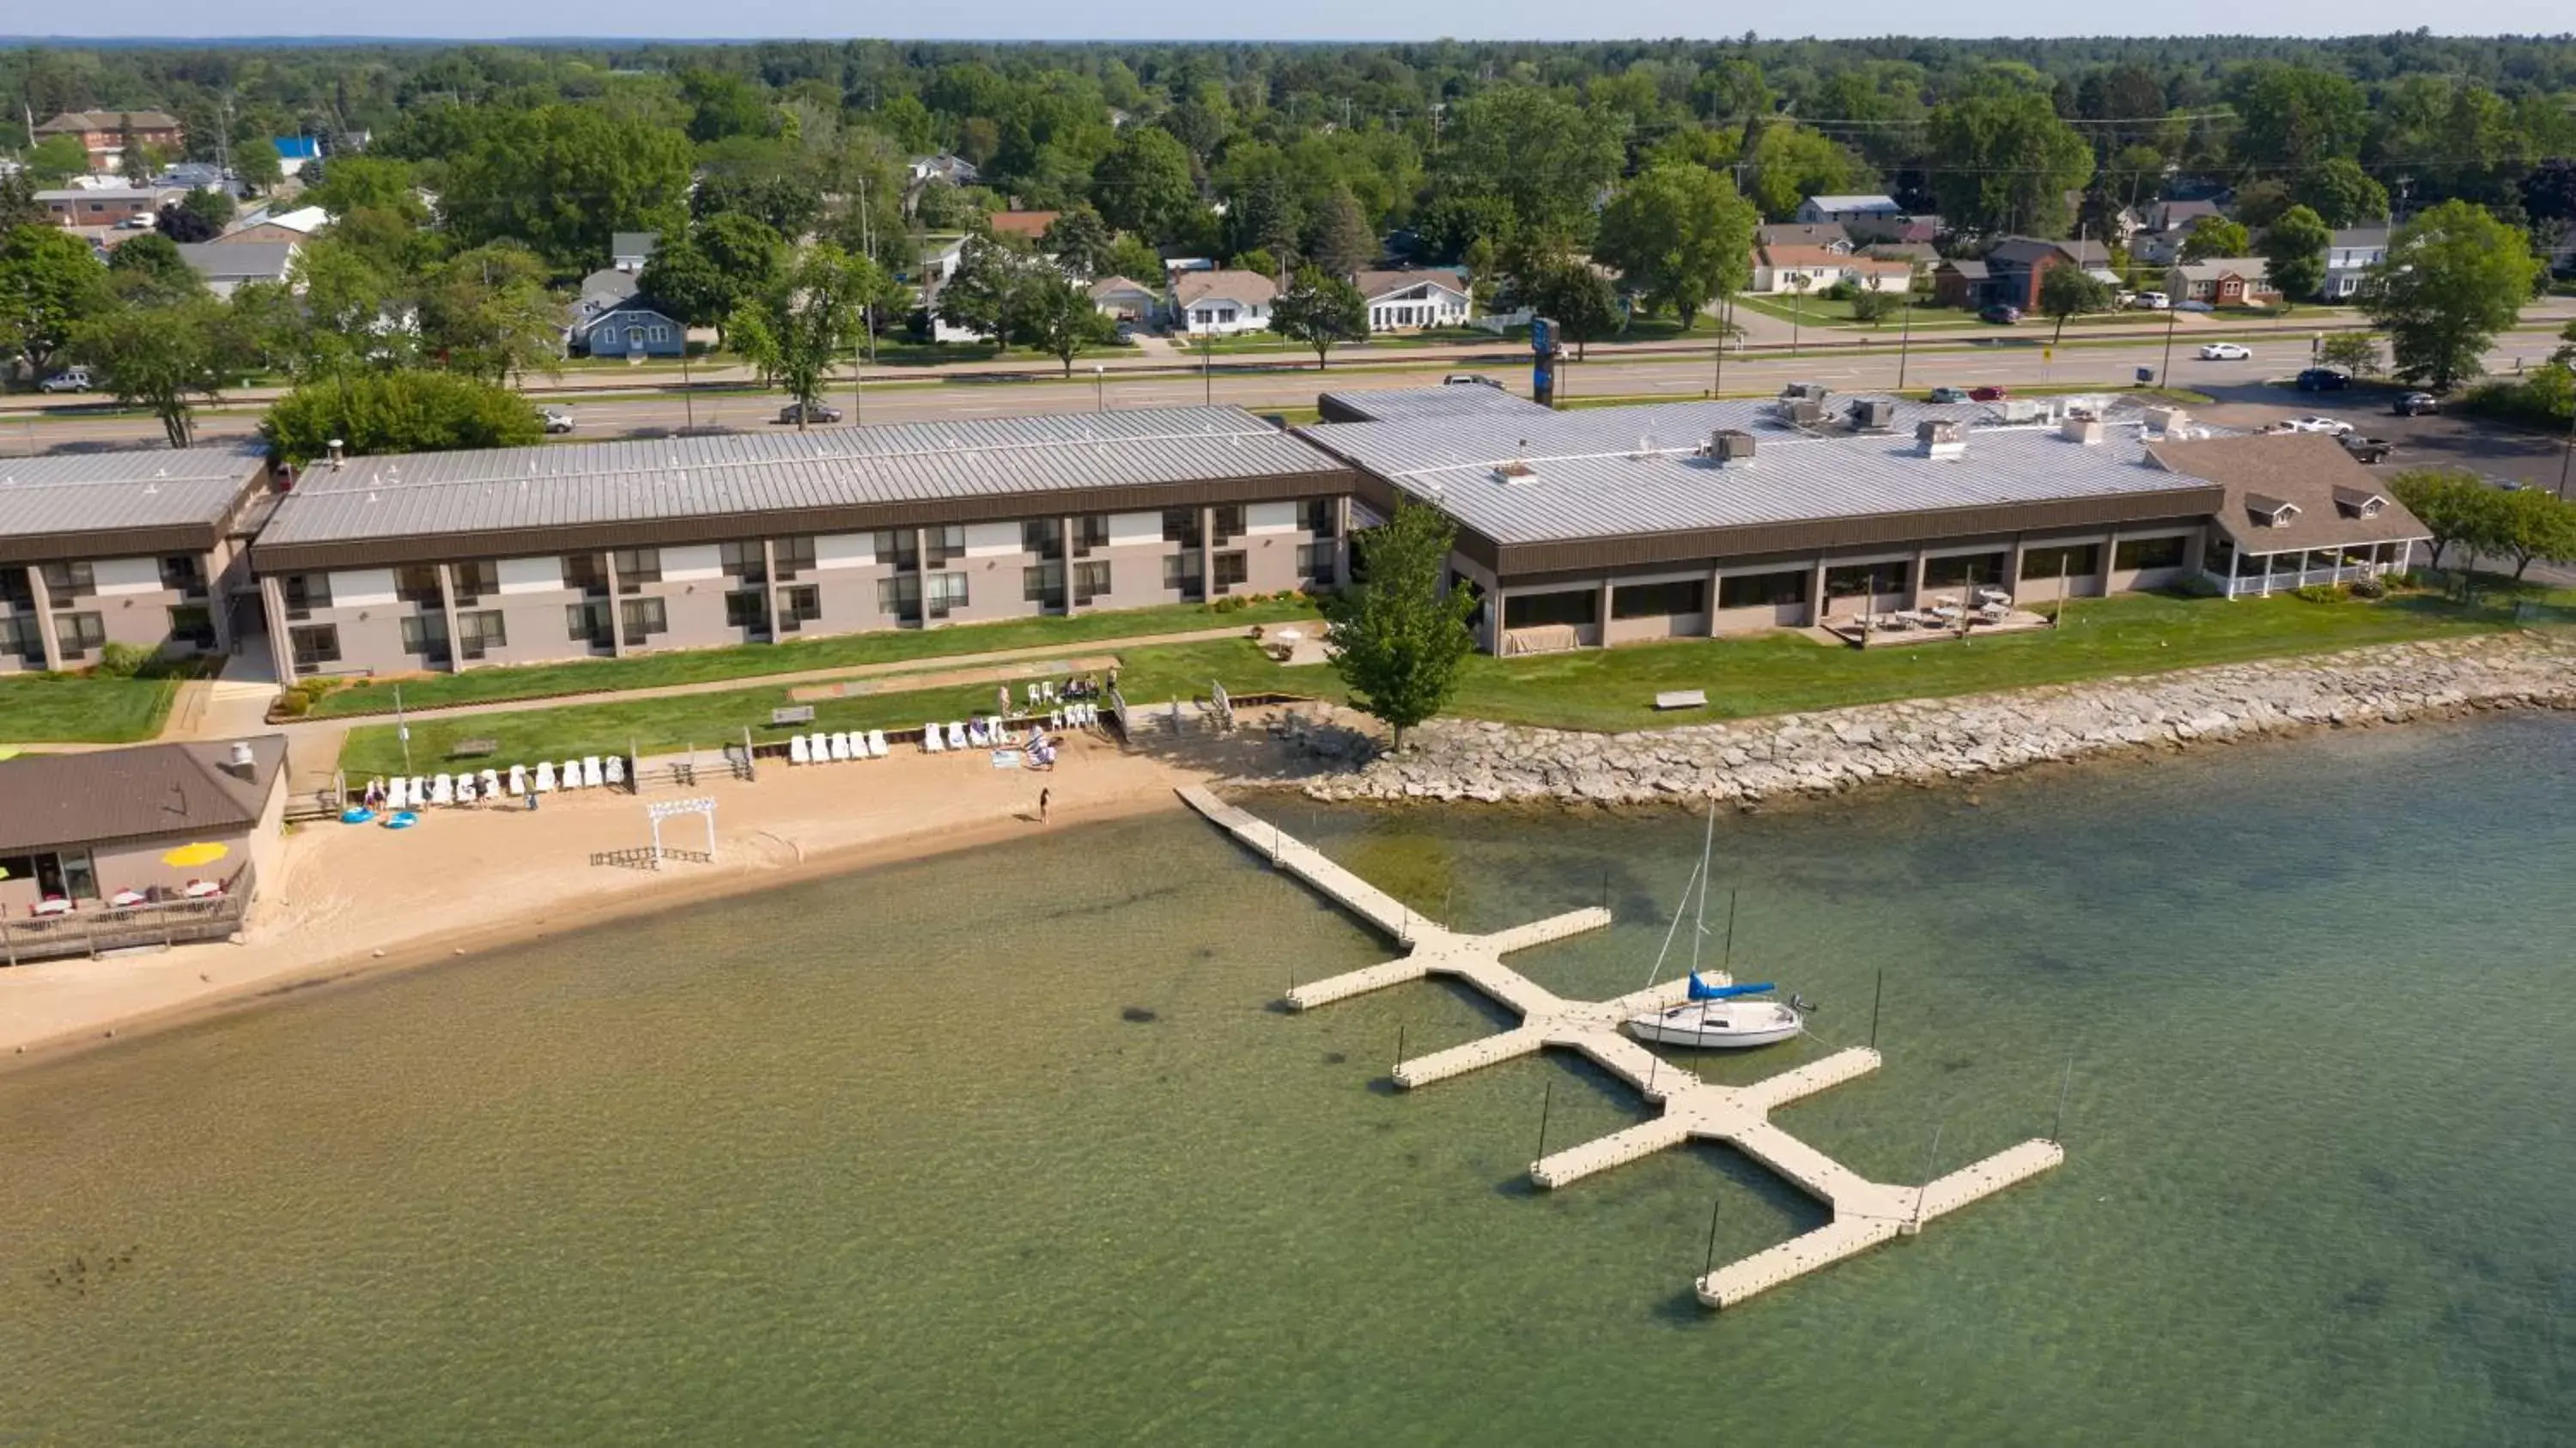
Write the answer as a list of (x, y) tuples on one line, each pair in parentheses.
[(1711, 1265), (2066, 1083), (1875, 993), (1546, 1099)]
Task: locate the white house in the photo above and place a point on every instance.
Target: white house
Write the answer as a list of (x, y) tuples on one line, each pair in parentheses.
[(225, 265), (1811, 269), (1222, 303), (1407, 301), (2349, 255), (1848, 208), (1126, 300), (629, 250)]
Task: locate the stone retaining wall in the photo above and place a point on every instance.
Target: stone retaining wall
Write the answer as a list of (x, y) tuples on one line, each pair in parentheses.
[(1920, 741)]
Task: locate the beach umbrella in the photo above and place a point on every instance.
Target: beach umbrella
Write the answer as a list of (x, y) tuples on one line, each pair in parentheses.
[(187, 856)]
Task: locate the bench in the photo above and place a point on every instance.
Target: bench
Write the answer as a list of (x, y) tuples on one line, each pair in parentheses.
[(792, 714), (1682, 699), (474, 749)]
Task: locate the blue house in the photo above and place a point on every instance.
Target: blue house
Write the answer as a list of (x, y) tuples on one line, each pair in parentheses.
[(613, 319), (294, 151)]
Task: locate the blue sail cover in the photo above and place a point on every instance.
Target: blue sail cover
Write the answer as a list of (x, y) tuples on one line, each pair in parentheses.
[(1701, 990)]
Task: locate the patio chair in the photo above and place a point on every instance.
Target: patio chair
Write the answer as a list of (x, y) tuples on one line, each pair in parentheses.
[(876, 744), (591, 778), (840, 748), (491, 783), (545, 776), (930, 739), (956, 735), (518, 780), (465, 789), (444, 790), (976, 733)]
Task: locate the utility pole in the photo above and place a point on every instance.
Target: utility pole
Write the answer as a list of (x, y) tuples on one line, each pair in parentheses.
[(1904, 339), (2164, 374)]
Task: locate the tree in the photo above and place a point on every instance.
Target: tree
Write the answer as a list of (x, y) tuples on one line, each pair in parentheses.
[(148, 270), (1451, 224), (1144, 184), (1791, 163), (2454, 505), (562, 179), (1320, 311), (180, 224), (981, 293), (2071, 291), (342, 324), (486, 313), (1680, 235), (1873, 306), (2454, 277), (1260, 261), (1401, 638), (2294, 253), (158, 356), (1081, 240), (2260, 203), (2294, 117), (2549, 192), (807, 321), (721, 262), (1578, 298), (1339, 239), (403, 411), (1054, 313), (368, 183), (57, 159), (1131, 258), (2341, 193), (2004, 163), (49, 284), (2215, 236), (2353, 352), (2537, 527), (256, 166), (1546, 158), (18, 204)]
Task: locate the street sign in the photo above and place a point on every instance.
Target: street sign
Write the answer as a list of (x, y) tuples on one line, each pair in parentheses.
[(2146, 375), (1542, 336)]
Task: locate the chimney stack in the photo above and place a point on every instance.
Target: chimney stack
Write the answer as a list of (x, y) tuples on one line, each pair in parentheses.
[(240, 762), (339, 457)]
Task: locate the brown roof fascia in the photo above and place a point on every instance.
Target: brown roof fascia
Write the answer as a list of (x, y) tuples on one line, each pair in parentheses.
[(268, 557)]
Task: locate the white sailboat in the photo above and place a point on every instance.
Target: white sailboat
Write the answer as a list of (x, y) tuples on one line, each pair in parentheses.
[(1717, 1017)]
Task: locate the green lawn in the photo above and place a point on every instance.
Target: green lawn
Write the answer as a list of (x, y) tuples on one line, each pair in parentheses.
[(1823, 311), (751, 661), (1789, 673), (79, 709)]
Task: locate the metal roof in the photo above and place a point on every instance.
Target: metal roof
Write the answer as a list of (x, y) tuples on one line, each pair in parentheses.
[(1397, 404), (113, 491), (506, 490), (1627, 471), (49, 801)]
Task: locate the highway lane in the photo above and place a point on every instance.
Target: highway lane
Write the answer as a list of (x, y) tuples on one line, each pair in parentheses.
[(1648, 376)]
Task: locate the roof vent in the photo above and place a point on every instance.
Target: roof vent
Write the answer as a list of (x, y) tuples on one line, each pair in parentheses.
[(1515, 473), (339, 452), (1731, 447), (1873, 414), (1805, 391), (1802, 411), (1941, 437), (240, 761), (2078, 428), (2166, 420), (2024, 409)]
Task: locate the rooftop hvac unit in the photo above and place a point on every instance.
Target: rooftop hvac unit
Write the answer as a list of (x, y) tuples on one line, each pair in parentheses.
[(1873, 414), (1731, 447), (1802, 411), (2079, 428), (1941, 437), (1811, 391), (2024, 409)]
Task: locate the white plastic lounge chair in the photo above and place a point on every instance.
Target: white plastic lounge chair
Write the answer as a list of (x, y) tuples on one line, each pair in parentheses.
[(976, 733), (1031, 692), (821, 747), (518, 780), (465, 789), (444, 790), (840, 747), (490, 784), (572, 774), (617, 769), (876, 744), (419, 790), (798, 751), (1049, 694), (545, 776), (590, 775), (398, 794), (1055, 718), (956, 735), (930, 739)]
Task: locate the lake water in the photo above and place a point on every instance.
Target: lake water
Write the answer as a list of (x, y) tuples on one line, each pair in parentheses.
[(881, 1158)]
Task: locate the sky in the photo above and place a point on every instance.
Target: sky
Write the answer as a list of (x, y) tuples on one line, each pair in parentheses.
[(1201, 20)]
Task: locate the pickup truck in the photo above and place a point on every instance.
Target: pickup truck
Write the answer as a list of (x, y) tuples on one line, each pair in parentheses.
[(2365, 449)]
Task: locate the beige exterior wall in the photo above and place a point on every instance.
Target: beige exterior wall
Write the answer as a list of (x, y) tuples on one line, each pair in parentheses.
[(128, 597)]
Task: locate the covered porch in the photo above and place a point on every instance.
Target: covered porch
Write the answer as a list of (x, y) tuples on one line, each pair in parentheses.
[(2241, 572)]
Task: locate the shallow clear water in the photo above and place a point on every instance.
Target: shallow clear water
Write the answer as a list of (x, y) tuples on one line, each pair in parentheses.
[(878, 1158)]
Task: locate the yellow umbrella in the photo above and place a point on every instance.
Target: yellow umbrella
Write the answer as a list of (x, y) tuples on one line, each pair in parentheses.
[(187, 856)]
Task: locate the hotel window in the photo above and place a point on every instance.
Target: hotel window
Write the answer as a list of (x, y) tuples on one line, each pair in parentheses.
[(314, 644), (642, 618), (2146, 553), (193, 625), (19, 639), (799, 606), (1314, 560), (1893, 576), (481, 631), (743, 561), (425, 636), (1181, 525), (1090, 581), (943, 543), (2073, 562), (1043, 537), (182, 573), (793, 556), (1539, 610), (1042, 584), (582, 573), (15, 590), (1659, 600), (305, 592), (745, 609), (899, 597), (1181, 570), (942, 592), (1318, 516), (637, 567), (474, 579), (1229, 522), (1762, 590), (898, 546), (1964, 569), (69, 580), (418, 583), (78, 633), (1232, 569), (588, 623), (1090, 531)]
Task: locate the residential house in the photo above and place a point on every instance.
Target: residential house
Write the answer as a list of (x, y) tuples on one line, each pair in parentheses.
[(2221, 281), (1411, 300), (1959, 282), (103, 133), (2166, 226), (1222, 302), (294, 153), (1833, 236), (2015, 265), (296, 225), (1031, 224), (1876, 231), (1811, 269), (1848, 208), (201, 176), (1128, 301), (2350, 255), (955, 170), (612, 318), (106, 205), (82, 829), (225, 265), (629, 250)]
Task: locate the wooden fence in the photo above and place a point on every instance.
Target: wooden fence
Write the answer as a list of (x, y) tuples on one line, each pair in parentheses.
[(97, 929)]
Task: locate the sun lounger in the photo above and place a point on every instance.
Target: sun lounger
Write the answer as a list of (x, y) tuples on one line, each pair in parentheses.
[(443, 790), (590, 775), (840, 747), (491, 783), (931, 740), (398, 794), (976, 733), (617, 769), (518, 780), (799, 751), (876, 744), (545, 776), (956, 735), (465, 789)]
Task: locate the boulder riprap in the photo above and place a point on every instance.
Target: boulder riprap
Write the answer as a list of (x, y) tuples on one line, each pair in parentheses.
[(1927, 740)]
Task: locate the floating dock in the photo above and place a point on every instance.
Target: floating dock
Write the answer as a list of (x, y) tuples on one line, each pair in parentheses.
[(1866, 1213)]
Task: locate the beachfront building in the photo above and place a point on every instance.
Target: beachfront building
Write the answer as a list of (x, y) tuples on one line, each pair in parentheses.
[(142, 548), (84, 838), (1607, 525), (2298, 511), (388, 565)]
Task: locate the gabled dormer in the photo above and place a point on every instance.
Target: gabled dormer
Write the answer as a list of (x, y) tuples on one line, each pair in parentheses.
[(2270, 512)]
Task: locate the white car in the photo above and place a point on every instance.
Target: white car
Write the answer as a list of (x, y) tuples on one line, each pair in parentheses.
[(2225, 352), (557, 419), (2152, 302), (2333, 427)]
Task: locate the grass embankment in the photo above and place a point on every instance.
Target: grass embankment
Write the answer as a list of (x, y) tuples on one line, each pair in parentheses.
[(1594, 689), (752, 661), (82, 708)]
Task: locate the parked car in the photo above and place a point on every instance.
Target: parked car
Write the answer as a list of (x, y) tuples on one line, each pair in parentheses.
[(2323, 379), (2333, 426), (1950, 394), (1126, 333), (70, 379), (2416, 404), (2193, 307), (1988, 394), (2152, 302), (557, 419), (815, 412), (2001, 313), (140, 221), (2225, 352), (1468, 379), (2365, 449)]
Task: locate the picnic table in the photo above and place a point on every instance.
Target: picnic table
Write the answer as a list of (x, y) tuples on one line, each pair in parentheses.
[(791, 714), (474, 748)]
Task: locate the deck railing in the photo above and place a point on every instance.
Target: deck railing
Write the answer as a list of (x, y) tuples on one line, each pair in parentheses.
[(96, 929)]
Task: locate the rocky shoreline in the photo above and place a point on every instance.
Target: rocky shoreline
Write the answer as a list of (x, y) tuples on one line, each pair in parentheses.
[(1927, 741)]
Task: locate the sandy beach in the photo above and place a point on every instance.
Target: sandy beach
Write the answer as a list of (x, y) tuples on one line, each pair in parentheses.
[(358, 899)]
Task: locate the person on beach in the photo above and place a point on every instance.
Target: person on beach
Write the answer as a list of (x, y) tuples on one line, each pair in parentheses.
[(1001, 701), (1043, 796)]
